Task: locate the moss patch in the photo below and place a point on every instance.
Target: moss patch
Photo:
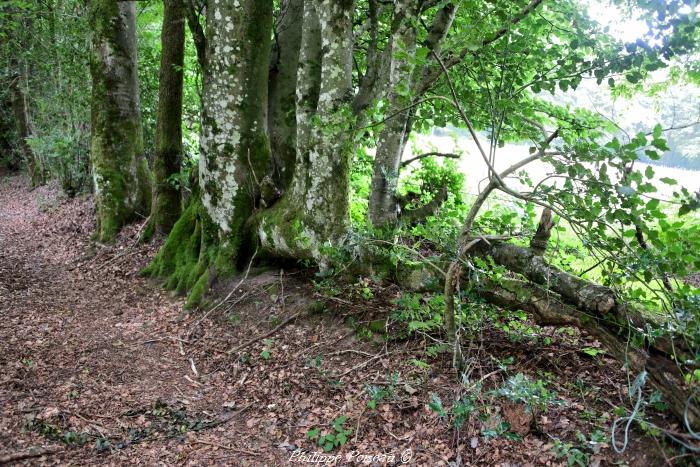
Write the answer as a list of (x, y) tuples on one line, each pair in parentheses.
[(184, 261)]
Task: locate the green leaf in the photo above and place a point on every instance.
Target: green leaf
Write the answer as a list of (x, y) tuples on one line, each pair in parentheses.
[(649, 172), (668, 181), (626, 190)]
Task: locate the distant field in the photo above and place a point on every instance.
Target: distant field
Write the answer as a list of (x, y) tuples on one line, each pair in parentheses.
[(475, 170)]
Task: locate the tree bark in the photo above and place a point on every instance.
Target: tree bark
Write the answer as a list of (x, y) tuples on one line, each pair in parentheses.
[(200, 43), (593, 298), (168, 154), (23, 122), (539, 241), (282, 87), (390, 145), (407, 87), (234, 142), (212, 236), (120, 169), (315, 210)]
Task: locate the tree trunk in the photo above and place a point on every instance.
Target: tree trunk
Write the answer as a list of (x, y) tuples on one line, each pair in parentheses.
[(212, 236), (549, 309), (23, 121), (168, 154), (315, 210), (120, 169), (234, 142), (390, 146), (282, 88), (406, 88)]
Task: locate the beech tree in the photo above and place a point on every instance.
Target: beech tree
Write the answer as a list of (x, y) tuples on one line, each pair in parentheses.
[(168, 152), (300, 99), (281, 123), (122, 179)]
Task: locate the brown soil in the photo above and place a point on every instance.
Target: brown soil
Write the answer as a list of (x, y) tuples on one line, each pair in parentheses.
[(101, 367)]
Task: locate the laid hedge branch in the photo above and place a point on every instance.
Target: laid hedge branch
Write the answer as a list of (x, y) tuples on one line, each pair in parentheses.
[(549, 309)]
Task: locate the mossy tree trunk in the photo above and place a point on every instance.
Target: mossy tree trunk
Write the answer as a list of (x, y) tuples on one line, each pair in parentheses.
[(282, 87), (23, 121), (167, 160), (120, 170), (212, 237), (234, 142), (315, 210)]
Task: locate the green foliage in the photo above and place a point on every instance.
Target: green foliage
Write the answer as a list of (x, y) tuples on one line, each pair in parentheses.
[(266, 352), (379, 394), (420, 312), (66, 157), (421, 185), (579, 454), (337, 437), (531, 393)]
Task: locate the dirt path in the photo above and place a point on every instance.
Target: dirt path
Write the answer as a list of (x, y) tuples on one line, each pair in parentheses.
[(83, 339), (99, 367)]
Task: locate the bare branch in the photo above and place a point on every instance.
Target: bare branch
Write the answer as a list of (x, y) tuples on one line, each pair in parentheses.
[(448, 155)]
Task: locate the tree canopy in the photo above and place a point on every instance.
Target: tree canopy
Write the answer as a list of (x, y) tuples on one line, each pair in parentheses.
[(276, 131)]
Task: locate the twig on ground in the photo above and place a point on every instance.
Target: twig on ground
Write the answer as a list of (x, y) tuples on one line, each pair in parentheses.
[(29, 454), (245, 276), (366, 362), (194, 368), (264, 335)]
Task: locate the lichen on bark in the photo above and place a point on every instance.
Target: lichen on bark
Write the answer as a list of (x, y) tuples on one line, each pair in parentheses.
[(212, 237), (314, 211)]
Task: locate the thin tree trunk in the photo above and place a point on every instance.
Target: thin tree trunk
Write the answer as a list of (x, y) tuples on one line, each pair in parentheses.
[(23, 122), (120, 169), (390, 146), (406, 88), (168, 154), (282, 87)]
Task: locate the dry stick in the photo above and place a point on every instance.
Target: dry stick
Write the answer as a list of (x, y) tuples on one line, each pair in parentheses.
[(263, 336), (18, 456), (365, 363)]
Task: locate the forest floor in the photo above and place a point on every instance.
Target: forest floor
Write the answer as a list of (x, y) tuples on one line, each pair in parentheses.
[(99, 366)]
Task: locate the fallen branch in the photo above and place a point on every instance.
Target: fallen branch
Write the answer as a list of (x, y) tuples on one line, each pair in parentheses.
[(28, 454), (548, 309), (264, 335)]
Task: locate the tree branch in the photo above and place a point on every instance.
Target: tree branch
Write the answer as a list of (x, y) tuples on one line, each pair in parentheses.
[(448, 155), (200, 43)]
